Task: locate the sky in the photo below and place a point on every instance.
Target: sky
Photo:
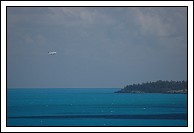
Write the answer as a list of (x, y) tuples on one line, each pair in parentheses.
[(97, 47)]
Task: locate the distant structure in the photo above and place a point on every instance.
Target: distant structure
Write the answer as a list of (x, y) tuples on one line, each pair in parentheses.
[(52, 53)]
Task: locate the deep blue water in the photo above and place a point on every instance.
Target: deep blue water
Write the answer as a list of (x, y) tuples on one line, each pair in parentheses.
[(93, 107)]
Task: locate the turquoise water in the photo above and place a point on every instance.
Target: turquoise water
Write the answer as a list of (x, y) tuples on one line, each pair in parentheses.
[(93, 107)]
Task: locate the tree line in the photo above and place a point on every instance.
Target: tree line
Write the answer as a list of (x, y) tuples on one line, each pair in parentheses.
[(156, 87)]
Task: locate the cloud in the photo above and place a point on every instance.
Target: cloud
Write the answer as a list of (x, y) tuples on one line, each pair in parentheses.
[(79, 15), (159, 21)]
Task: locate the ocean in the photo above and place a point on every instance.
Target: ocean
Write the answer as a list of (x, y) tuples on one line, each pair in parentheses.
[(93, 107)]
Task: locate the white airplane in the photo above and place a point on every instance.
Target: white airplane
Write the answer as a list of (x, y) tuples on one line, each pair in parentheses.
[(52, 53)]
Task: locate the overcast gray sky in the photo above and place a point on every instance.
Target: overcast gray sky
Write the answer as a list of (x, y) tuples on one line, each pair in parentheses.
[(96, 46)]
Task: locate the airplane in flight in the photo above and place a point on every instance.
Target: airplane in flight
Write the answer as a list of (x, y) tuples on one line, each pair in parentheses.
[(52, 53)]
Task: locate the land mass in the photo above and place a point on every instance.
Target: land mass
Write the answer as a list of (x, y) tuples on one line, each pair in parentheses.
[(170, 87)]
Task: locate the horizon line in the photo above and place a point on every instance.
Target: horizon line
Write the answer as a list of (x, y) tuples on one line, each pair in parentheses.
[(64, 88)]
